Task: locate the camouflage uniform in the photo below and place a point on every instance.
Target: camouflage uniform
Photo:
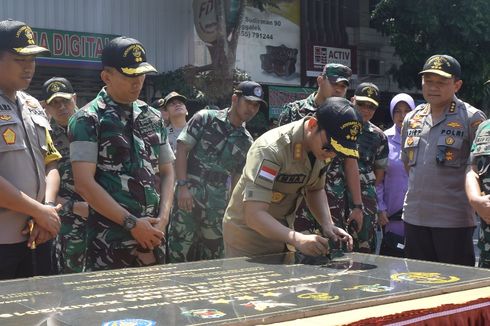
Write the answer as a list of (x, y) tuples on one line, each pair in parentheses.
[(128, 142), (480, 157), (373, 155), (70, 243), (218, 151), (335, 185)]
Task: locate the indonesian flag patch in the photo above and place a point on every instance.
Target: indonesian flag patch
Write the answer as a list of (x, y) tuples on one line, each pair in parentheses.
[(267, 174)]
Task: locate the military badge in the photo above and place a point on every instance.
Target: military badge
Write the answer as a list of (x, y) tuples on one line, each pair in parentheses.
[(277, 197), (455, 124), (449, 140), (410, 141), (449, 156), (9, 136), (258, 91)]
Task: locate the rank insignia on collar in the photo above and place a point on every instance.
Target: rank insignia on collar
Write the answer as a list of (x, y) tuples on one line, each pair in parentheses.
[(452, 108)]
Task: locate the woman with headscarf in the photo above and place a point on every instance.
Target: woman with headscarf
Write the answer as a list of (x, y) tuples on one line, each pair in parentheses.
[(391, 191)]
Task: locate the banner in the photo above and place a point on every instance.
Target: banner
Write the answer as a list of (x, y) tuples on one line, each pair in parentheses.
[(71, 48), (269, 43), (279, 96)]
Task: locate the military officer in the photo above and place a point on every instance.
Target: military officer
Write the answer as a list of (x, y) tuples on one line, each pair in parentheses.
[(28, 177), (282, 165), (122, 164), (342, 172), (436, 140), (59, 101), (373, 158), (478, 188), (211, 153)]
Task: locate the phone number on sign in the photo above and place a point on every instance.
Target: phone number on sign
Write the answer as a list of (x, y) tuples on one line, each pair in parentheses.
[(262, 36)]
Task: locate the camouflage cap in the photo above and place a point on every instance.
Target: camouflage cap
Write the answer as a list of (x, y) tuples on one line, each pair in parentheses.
[(337, 73), (367, 92), (342, 124), (173, 95), (442, 65), (57, 87), (127, 55), (18, 38)]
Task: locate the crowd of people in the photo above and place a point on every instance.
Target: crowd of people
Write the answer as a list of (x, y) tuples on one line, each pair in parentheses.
[(120, 183)]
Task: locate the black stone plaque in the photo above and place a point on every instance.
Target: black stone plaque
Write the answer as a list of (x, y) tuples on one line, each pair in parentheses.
[(228, 291)]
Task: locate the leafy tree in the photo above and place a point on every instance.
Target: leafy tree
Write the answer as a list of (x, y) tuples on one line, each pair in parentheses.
[(421, 28)]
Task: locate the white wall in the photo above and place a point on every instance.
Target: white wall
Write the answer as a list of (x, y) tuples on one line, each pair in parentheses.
[(165, 27)]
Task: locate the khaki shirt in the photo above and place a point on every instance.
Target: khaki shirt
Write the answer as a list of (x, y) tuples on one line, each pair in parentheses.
[(25, 149), (436, 191), (277, 172)]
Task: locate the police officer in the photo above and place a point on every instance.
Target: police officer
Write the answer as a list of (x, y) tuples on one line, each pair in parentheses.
[(59, 101), (436, 140), (173, 104), (373, 158), (28, 176), (211, 153), (118, 146), (284, 164), (343, 172), (478, 188)]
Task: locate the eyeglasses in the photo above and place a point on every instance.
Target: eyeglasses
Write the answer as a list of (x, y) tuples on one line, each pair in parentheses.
[(367, 105)]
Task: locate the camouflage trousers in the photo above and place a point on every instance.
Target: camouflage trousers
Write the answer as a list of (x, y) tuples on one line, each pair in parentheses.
[(365, 239), (484, 244), (198, 235), (112, 247), (71, 245)]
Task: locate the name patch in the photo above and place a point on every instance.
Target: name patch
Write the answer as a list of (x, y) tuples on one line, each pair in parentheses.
[(291, 178)]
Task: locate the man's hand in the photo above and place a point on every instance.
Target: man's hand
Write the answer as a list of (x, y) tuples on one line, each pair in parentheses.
[(481, 204), (311, 244), (356, 215), (80, 208), (146, 233), (383, 218), (338, 234), (184, 199), (48, 219), (37, 235)]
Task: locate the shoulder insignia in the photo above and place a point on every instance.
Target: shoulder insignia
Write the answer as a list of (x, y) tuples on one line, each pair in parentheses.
[(476, 123), (297, 151), (267, 174)]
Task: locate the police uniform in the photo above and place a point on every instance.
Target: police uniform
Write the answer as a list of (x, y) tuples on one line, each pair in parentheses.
[(278, 172), (173, 134), (25, 150), (218, 151), (480, 157), (436, 153)]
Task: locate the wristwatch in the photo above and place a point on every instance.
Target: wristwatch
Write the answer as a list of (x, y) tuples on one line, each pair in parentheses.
[(182, 182), (360, 206), (129, 222)]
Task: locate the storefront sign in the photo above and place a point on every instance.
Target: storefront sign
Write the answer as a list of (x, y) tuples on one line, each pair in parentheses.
[(317, 56), (71, 48)]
